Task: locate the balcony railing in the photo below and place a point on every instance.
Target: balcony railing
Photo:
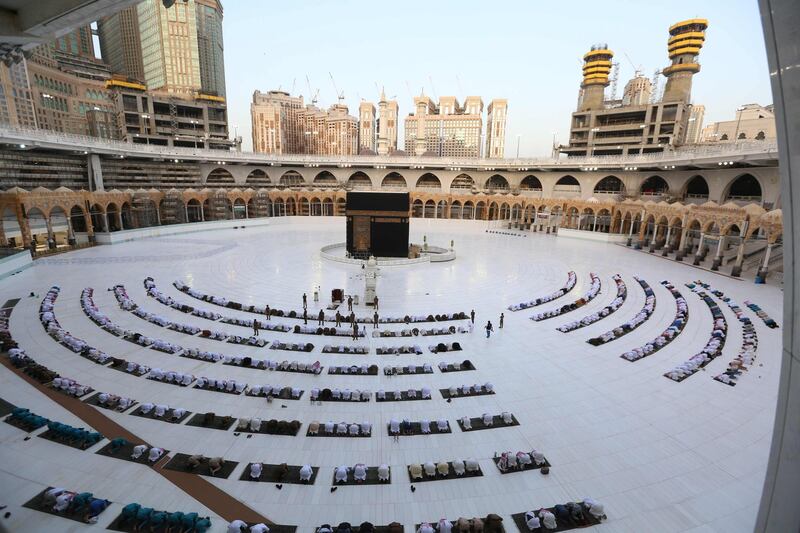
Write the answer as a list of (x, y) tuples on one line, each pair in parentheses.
[(687, 154)]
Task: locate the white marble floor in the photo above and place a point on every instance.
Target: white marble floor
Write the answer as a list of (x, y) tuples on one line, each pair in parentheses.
[(661, 456)]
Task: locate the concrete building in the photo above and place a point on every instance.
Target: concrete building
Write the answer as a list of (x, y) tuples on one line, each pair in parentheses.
[(159, 118), (210, 47), (120, 43), (637, 126), (16, 96), (388, 112), (274, 120), (637, 91), (753, 121), (78, 42), (366, 128), (695, 124), (281, 124), (448, 129), (496, 115)]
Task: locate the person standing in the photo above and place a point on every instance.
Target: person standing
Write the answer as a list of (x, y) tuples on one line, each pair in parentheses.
[(267, 311), (375, 320), (338, 319), (255, 327), (355, 330), (305, 301), (375, 302), (350, 303), (489, 329), (305, 317), (321, 317), (472, 316), (502, 316)]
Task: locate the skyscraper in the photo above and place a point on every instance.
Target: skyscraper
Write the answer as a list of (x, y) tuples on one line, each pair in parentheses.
[(366, 127), (449, 129), (387, 125), (695, 126), (637, 91), (120, 44), (210, 46), (274, 120), (77, 42), (496, 128)]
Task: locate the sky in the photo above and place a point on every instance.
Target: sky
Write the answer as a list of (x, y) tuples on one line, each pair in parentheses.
[(528, 51)]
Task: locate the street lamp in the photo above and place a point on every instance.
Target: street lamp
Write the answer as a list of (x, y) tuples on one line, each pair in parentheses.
[(518, 138)]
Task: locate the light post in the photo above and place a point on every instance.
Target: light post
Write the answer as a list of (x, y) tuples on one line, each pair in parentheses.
[(738, 121), (518, 138)]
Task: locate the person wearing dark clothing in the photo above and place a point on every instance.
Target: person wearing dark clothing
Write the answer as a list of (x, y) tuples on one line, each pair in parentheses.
[(267, 312), (472, 316), (305, 301), (489, 329), (349, 303), (502, 316), (375, 320), (255, 327), (375, 302), (305, 316), (321, 317)]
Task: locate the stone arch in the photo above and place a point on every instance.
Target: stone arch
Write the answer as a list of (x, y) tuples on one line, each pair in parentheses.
[(291, 178), (696, 187), (572, 217), (220, 176), (602, 221), (325, 179), (462, 182), (291, 207), (278, 207), (468, 210), (341, 204), (654, 186), (429, 181), (417, 208), (113, 217), (78, 220), (567, 186), (257, 177), (239, 209), (430, 209), (441, 209), (304, 209), (456, 209), (194, 210), (530, 183), (493, 212), (480, 210), (610, 184), (505, 212), (97, 215), (327, 207), (745, 188), (394, 180), (126, 212), (359, 179), (497, 182)]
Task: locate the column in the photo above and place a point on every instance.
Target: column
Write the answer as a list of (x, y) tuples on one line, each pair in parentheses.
[(87, 218), (630, 232), (24, 227), (105, 217), (764, 270), (594, 224), (668, 247), (185, 212), (697, 255), (3, 239), (118, 216), (718, 257), (70, 232), (51, 237), (736, 271)]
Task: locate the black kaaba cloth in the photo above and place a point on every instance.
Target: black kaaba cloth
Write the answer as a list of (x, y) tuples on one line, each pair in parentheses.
[(377, 224)]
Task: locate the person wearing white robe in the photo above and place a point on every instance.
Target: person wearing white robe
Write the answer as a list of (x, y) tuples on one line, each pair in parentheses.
[(255, 425), (305, 473), (138, 451), (466, 422), (360, 472), (62, 501), (426, 393), (329, 426), (255, 470), (425, 528), (442, 424), (147, 407), (488, 420), (161, 410), (155, 454), (472, 465), (548, 519), (394, 426), (459, 467), (341, 428), (524, 459), (354, 430), (340, 476), (366, 428), (425, 426), (532, 521), (507, 417), (383, 472), (430, 469), (445, 526)]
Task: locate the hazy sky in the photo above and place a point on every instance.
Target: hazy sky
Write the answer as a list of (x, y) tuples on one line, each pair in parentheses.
[(527, 51)]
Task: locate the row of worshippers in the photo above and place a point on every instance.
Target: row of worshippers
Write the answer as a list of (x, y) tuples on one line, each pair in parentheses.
[(396, 427), (616, 303), (411, 368), (75, 344), (393, 350), (572, 279), (268, 364), (221, 385), (240, 526), (589, 295), (711, 350), (339, 394), (170, 376), (70, 387), (137, 369), (492, 523), (153, 454), (341, 474), (364, 527), (138, 518), (216, 300), (639, 318), (488, 420), (669, 334), (466, 364), (520, 460), (467, 390), (442, 468), (570, 514), (361, 350), (160, 410), (66, 502), (444, 347), (114, 401), (249, 323), (80, 436), (352, 369), (252, 340), (305, 473), (125, 302), (27, 419), (274, 390), (760, 313), (424, 393), (292, 346), (346, 331), (342, 429), (747, 352)]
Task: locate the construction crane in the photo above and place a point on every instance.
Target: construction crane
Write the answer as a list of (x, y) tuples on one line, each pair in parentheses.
[(655, 95), (614, 80), (311, 93), (339, 95)]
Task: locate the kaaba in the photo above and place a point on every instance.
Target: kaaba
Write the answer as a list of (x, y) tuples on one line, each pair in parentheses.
[(377, 224)]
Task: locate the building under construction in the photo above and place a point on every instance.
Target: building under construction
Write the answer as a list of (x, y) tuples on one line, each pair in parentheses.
[(635, 125)]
